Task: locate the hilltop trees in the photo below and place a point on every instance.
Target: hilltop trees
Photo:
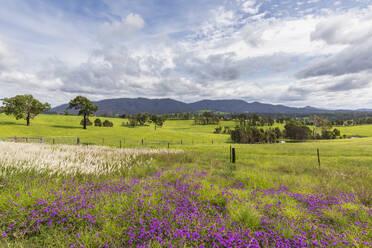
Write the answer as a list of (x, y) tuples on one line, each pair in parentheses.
[(253, 120), (142, 119), (207, 118), (85, 107), (23, 107)]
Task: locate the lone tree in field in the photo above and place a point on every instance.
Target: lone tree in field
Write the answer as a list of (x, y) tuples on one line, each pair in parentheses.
[(157, 120), (23, 107), (85, 107)]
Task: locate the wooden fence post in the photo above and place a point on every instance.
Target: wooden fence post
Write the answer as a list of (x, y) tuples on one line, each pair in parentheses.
[(233, 155), (230, 153), (168, 145), (54, 141), (142, 141), (77, 140), (317, 150), (181, 142)]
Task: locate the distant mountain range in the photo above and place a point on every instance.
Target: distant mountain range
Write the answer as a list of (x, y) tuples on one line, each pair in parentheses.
[(168, 106)]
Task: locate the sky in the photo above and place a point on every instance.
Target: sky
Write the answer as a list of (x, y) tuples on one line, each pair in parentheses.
[(297, 53)]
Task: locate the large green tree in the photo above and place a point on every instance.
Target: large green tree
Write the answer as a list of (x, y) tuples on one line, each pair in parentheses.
[(85, 107), (23, 107), (157, 120), (296, 130)]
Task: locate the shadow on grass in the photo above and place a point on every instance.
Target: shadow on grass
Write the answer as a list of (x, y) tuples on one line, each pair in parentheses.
[(67, 127), (12, 123)]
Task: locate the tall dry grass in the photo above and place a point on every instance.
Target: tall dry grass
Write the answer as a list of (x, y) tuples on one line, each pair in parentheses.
[(67, 159)]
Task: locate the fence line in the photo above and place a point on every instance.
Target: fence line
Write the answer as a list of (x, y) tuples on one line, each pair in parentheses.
[(26, 139), (119, 142)]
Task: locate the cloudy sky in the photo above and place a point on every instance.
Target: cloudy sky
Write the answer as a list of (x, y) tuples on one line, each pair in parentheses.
[(297, 53)]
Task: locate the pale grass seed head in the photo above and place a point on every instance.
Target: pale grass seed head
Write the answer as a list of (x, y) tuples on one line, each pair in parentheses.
[(68, 159)]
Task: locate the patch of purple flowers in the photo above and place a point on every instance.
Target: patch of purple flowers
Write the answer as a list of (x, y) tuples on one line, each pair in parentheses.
[(171, 210)]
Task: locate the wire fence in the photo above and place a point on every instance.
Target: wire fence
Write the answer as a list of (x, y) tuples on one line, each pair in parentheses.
[(113, 142)]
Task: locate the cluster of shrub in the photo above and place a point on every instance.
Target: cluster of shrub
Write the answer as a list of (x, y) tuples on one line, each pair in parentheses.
[(292, 130), (98, 123), (253, 135), (144, 119)]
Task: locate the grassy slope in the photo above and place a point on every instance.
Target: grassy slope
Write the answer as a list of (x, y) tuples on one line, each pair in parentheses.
[(173, 131), (345, 164)]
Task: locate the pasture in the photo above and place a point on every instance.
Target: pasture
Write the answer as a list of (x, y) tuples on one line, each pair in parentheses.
[(276, 195), (173, 131)]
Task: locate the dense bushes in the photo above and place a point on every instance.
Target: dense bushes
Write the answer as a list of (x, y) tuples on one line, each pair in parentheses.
[(328, 134), (107, 123), (296, 130), (253, 135), (89, 123), (98, 123), (292, 130)]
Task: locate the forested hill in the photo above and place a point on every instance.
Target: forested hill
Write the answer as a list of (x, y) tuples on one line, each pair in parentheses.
[(166, 106)]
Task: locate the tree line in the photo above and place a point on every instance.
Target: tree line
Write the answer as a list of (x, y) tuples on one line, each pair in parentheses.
[(144, 119), (293, 129), (27, 107)]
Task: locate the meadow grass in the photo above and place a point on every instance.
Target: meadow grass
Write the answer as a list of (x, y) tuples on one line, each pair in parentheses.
[(173, 131), (57, 126), (275, 195)]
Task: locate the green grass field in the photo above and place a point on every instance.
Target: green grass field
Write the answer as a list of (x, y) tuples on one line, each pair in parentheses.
[(56, 126), (346, 168), (339, 156), (173, 131)]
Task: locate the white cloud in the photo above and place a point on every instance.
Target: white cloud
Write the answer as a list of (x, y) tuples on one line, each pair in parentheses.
[(121, 30), (346, 28), (249, 6), (353, 59), (331, 91), (7, 59), (353, 30), (37, 31), (313, 1), (233, 51), (29, 81)]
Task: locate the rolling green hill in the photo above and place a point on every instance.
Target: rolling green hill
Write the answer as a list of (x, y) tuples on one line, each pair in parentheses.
[(173, 131), (268, 180)]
